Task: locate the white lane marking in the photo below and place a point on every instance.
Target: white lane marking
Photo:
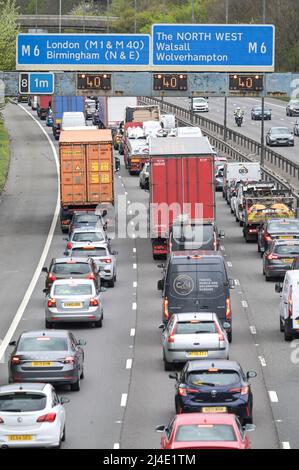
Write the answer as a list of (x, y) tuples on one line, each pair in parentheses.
[(135, 284), (237, 282), (286, 445), (128, 202), (132, 222), (273, 396), (123, 401), (229, 264), (263, 361), (126, 193), (134, 306), (130, 212), (132, 332), (270, 104), (116, 445), (244, 303), (253, 330), (36, 275), (134, 266), (134, 250), (129, 363), (134, 235)]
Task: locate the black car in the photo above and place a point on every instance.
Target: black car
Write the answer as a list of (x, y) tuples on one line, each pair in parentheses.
[(76, 268), (197, 281), (86, 219), (276, 229), (257, 113), (214, 387), (47, 356), (279, 257)]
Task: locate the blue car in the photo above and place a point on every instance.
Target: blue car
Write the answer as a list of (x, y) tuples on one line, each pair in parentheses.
[(49, 119), (214, 387)]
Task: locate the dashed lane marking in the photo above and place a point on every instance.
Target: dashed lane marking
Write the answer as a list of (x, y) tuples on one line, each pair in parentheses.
[(123, 401), (253, 330), (244, 304), (132, 332), (129, 363), (273, 396), (262, 361)]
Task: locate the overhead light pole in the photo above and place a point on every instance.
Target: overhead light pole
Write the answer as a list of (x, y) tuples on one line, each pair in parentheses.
[(263, 104), (193, 11), (135, 16), (84, 13), (225, 98), (59, 16)]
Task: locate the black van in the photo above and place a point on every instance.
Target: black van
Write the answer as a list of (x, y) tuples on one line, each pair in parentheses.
[(202, 235), (197, 281)]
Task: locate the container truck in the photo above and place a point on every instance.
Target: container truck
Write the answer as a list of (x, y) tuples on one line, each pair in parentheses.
[(86, 171), (181, 184), (61, 104), (110, 110), (239, 171), (43, 105)]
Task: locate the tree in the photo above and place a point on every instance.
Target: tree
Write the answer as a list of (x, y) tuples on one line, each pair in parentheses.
[(8, 33)]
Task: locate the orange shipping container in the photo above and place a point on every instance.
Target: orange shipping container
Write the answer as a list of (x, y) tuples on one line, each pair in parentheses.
[(86, 167)]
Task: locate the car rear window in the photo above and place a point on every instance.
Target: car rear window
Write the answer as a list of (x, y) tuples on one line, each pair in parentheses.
[(217, 378), (289, 249), (196, 326), (89, 252), (284, 226), (205, 432), (88, 237), (78, 289), (43, 343), (196, 285), (86, 219), (192, 238), (70, 268), (19, 402)]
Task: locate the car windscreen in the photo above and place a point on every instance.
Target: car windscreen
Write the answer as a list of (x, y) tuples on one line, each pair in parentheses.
[(187, 283), (221, 378), (86, 218), (89, 252), (88, 237), (20, 402), (78, 289), (42, 343), (195, 327), (284, 226), (190, 237), (205, 433), (71, 268), (288, 249)]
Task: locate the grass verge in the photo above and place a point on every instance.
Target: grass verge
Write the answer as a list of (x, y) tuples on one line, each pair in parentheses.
[(4, 154)]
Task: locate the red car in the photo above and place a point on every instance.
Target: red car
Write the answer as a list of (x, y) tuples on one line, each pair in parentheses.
[(205, 431)]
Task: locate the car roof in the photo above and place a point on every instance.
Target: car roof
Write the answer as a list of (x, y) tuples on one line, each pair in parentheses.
[(70, 260), (73, 281), (26, 387), (198, 254), (285, 219), (205, 364), (286, 241), (90, 229), (102, 244), (46, 333), (205, 418), (85, 213), (194, 316)]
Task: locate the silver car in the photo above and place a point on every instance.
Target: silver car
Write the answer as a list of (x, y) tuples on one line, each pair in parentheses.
[(47, 356), (74, 300), (104, 258), (280, 136), (85, 235), (190, 336)]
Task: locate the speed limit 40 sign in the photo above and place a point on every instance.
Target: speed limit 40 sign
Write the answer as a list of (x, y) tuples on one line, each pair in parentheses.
[(36, 83)]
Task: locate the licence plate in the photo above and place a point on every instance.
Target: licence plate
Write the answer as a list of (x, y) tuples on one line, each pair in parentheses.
[(198, 354), (215, 409), (288, 260), (41, 364), (73, 304), (286, 237), (297, 322), (25, 437), (135, 160)]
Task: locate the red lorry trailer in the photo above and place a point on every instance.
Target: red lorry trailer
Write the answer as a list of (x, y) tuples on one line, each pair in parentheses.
[(181, 183)]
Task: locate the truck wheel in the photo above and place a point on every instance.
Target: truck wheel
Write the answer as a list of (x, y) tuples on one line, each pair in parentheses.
[(241, 223), (281, 325), (49, 325), (111, 283), (229, 336), (287, 335)]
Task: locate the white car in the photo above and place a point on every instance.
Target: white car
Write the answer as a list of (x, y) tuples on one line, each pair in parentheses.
[(31, 415), (200, 105)]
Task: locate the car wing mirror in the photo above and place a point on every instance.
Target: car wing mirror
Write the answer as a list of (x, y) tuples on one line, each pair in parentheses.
[(278, 287), (251, 374), (174, 376), (249, 428), (231, 283), (221, 233), (160, 284), (81, 342), (64, 400), (45, 270), (160, 428), (161, 327), (45, 291), (13, 343)]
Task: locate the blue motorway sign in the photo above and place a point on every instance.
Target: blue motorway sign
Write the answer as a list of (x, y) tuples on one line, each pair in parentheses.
[(211, 47), (36, 83), (82, 51)]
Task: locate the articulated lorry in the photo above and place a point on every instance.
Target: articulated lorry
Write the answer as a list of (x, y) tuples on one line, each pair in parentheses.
[(86, 172), (62, 104), (181, 184)]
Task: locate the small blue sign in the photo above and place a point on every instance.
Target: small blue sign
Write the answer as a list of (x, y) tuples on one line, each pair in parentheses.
[(36, 83), (82, 51), (221, 48)]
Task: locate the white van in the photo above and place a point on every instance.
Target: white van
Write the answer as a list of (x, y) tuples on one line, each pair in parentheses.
[(34, 102), (239, 171), (289, 304), (73, 119), (188, 131)]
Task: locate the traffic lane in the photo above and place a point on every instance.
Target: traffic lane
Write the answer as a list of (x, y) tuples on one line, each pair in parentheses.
[(279, 371), (26, 210), (250, 128), (151, 391)]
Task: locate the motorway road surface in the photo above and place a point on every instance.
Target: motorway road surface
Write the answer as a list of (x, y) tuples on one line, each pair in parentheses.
[(250, 128), (119, 405)]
